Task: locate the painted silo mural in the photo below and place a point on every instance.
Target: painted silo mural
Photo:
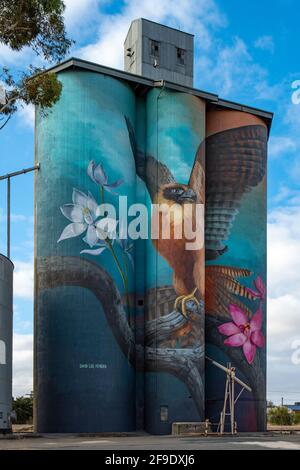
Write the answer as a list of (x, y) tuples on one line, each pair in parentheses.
[(172, 169), (85, 376), (235, 275), (120, 303)]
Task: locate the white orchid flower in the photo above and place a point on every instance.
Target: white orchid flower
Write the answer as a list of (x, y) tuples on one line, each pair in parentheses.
[(98, 176), (125, 244), (102, 246), (106, 228), (82, 214)]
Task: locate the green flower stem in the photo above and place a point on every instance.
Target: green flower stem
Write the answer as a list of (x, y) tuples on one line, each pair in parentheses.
[(126, 269), (125, 263), (123, 276), (111, 249), (102, 194)]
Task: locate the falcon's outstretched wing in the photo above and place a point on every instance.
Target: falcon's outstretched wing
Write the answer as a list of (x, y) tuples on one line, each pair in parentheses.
[(154, 173), (235, 163), (222, 289), (197, 178)]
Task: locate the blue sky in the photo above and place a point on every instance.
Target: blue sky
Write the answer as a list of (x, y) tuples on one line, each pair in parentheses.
[(245, 51)]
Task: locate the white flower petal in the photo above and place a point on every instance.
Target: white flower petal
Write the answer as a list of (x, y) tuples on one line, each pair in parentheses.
[(72, 212), (96, 252), (100, 175), (72, 230), (79, 198), (92, 204), (91, 237), (90, 170), (107, 188), (106, 228), (88, 217)]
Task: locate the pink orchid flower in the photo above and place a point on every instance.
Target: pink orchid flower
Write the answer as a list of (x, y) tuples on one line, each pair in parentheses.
[(260, 289), (242, 332)]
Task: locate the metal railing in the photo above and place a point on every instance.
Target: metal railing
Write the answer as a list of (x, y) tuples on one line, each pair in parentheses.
[(8, 177)]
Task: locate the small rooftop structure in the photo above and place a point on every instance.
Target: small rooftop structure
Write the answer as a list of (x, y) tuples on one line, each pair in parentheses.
[(159, 52)]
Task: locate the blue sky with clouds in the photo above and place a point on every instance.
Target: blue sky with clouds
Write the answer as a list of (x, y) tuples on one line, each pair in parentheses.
[(245, 51)]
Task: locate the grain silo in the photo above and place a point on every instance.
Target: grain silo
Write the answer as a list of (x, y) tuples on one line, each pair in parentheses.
[(6, 324), (119, 325)]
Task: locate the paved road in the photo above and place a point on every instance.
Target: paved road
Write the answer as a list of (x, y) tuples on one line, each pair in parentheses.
[(54, 441)]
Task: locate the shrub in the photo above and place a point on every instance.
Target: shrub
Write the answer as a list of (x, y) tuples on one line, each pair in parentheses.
[(280, 415)]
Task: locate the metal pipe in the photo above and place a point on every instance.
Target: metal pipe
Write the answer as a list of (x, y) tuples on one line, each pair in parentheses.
[(232, 399), (7, 177), (225, 369), (21, 172)]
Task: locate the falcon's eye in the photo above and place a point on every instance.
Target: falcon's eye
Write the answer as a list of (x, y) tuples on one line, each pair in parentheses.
[(176, 190)]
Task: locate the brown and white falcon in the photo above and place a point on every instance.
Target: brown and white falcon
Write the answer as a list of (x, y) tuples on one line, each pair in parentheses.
[(235, 163)]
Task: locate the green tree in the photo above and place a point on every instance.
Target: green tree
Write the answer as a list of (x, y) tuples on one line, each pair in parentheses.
[(296, 419), (23, 407), (38, 24), (280, 415)]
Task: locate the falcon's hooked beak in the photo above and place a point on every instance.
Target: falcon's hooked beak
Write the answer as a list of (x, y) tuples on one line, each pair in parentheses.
[(188, 195)]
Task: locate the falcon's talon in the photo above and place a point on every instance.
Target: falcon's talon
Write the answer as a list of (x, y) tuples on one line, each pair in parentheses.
[(184, 299), (181, 297)]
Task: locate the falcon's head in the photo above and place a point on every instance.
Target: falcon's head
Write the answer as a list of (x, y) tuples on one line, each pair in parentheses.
[(176, 193)]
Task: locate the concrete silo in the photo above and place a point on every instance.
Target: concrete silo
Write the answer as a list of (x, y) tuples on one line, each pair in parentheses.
[(84, 381), (6, 324), (118, 349)]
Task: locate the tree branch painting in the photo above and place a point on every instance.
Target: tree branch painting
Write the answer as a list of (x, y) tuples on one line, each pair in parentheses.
[(185, 364)]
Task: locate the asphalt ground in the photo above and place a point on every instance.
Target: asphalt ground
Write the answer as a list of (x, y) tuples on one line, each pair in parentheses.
[(151, 443)]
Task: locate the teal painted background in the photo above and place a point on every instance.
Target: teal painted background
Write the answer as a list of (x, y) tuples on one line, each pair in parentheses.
[(71, 328), (247, 249), (80, 368), (175, 128)]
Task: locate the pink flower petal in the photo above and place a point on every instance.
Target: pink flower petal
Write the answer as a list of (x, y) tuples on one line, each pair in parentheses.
[(235, 340), (253, 292), (256, 321), (228, 329), (258, 339), (260, 286), (238, 315), (249, 351)]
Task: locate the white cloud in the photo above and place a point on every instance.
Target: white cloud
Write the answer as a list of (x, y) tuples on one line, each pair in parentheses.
[(23, 279), (266, 91), (108, 48), (292, 115), (265, 43), (283, 246), (21, 325), (287, 195), (284, 298), (26, 115), (8, 57), (16, 217), (22, 364), (279, 146), (231, 71), (82, 17)]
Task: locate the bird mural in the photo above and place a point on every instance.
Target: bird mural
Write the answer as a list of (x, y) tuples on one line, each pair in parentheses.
[(235, 164)]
